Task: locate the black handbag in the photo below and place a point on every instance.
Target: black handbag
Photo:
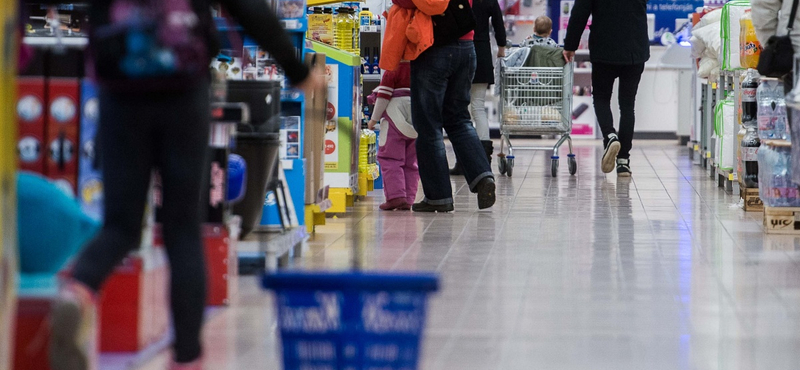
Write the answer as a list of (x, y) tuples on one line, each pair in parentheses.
[(777, 58), (457, 21)]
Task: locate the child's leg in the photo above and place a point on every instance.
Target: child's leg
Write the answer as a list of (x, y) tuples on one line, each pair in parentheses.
[(411, 170), (392, 157)]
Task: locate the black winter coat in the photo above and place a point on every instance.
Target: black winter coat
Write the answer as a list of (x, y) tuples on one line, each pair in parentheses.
[(618, 31)]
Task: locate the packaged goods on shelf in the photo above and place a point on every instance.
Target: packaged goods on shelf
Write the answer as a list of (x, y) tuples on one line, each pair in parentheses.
[(776, 187), (321, 26), (725, 132), (772, 118), (730, 28)]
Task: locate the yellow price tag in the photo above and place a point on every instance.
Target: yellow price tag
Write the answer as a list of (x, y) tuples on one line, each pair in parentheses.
[(730, 177), (714, 85), (696, 147), (708, 154)]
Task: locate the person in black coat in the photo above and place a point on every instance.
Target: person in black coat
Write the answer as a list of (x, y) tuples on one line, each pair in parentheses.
[(619, 47), (485, 11)]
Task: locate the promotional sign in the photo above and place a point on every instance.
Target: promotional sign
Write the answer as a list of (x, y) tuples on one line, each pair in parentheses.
[(583, 118), (331, 121), (90, 180), (667, 11)]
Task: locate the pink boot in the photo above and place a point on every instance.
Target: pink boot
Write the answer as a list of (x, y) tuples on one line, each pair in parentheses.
[(73, 328), (396, 203), (194, 365)]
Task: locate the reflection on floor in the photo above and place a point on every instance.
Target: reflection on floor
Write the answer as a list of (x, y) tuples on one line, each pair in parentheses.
[(661, 271)]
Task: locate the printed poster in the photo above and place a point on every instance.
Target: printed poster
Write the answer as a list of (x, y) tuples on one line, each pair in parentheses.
[(331, 120), (667, 11)]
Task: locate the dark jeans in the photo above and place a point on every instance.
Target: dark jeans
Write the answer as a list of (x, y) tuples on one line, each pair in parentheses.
[(441, 79), (138, 133), (603, 77)]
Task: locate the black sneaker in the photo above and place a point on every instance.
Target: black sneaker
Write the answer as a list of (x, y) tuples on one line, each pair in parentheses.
[(430, 208), (486, 192), (610, 154), (623, 167)]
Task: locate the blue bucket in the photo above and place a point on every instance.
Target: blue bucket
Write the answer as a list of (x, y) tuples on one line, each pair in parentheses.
[(351, 321)]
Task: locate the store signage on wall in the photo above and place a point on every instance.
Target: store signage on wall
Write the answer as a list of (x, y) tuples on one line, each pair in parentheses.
[(667, 11)]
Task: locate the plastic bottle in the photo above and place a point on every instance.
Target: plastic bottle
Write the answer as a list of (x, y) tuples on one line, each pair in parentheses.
[(749, 147), (749, 47), (749, 101), (365, 17), (771, 109), (343, 34), (354, 22)]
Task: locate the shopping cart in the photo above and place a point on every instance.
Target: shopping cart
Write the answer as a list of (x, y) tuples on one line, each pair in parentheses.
[(535, 101)]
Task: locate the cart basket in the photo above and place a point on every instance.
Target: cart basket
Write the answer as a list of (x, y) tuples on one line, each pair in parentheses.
[(351, 321)]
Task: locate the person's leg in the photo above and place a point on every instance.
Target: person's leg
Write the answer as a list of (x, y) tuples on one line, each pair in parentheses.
[(477, 107), (411, 170), (629, 77), (457, 123), (392, 157), (126, 140), (430, 73), (603, 76), (183, 164)]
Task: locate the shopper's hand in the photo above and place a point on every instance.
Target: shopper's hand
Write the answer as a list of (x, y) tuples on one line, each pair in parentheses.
[(315, 81), (501, 52), (372, 124), (569, 56)]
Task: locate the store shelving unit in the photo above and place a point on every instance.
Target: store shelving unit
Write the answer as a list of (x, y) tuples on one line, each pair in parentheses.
[(344, 95), (730, 84)]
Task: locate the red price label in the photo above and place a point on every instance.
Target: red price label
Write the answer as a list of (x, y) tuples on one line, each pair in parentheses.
[(331, 111), (330, 146)]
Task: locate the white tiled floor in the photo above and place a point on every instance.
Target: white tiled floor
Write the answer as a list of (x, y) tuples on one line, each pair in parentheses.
[(661, 271)]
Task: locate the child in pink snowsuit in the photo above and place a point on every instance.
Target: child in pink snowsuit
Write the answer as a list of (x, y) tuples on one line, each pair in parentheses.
[(397, 154)]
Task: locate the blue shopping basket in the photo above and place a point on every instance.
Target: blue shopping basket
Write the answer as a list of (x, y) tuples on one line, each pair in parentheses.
[(351, 321)]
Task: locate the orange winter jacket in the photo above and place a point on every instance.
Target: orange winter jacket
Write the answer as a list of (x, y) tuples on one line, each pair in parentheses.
[(409, 30)]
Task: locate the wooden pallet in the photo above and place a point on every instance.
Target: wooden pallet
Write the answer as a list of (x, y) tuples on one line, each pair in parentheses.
[(752, 200), (782, 220)]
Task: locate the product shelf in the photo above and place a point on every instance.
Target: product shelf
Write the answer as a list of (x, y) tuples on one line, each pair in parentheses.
[(323, 2)]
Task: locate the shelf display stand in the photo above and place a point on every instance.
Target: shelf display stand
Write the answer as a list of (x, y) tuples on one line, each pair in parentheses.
[(343, 126)]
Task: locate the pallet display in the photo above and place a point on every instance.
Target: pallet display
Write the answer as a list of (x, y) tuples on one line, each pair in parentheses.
[(782, 220), (752, 200)]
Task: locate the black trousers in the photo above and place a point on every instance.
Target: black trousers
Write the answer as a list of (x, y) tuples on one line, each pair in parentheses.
[(140, 132), (603, 77)]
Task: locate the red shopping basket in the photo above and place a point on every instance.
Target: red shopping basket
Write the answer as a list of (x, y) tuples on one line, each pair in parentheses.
[(351, 321)]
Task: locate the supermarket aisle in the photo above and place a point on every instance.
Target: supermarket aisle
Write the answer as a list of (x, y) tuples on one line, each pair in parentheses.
[(657, 272)]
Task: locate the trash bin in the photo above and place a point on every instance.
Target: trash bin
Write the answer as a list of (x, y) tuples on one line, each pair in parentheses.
[(260, 152), (263, 99)]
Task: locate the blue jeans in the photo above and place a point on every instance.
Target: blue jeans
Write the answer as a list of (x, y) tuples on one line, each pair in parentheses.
[(441, 79)]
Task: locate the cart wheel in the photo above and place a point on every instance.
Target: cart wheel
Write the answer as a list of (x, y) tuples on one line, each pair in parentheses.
[(554, 166), (573, 165), (510, 167), (501, 165)]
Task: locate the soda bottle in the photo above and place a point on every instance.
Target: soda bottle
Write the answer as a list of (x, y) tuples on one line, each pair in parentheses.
[(749, 146), (749, 47), (749, 102)]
